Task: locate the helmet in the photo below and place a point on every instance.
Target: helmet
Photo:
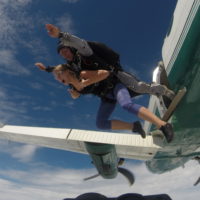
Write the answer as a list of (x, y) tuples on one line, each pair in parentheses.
[(91, 196), (63, 44)]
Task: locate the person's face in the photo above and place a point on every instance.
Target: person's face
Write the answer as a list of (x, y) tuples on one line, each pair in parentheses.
[(66, 54), (62, 77)]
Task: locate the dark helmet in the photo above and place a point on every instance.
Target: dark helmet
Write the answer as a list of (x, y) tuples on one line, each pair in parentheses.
[(62, 44), (91, 196)]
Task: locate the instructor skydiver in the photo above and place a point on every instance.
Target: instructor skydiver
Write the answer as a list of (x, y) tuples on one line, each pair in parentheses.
[(119, 86), (80, 55)]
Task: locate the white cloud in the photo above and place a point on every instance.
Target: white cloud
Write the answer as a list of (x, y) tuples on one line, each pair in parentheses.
[(65, 23), (23, 153), (10, 65), (19, 32), (2, 94), (35, 45), (18, 35), (131, 70), (36, 85), (70, 104), (42, 108), (57, 183), (70, 1), (12, 21), (11, 110)]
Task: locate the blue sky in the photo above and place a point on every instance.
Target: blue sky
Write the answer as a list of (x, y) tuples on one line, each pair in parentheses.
[(29, 97)]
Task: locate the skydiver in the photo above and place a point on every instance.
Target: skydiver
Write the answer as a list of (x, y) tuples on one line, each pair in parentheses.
[(80, 55), (116, 93)]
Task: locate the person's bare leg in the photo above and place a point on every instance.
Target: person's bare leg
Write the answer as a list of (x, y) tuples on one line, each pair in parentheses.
[(144, 114), (134, 127), (121, 125), (147, 115), (165, 127)]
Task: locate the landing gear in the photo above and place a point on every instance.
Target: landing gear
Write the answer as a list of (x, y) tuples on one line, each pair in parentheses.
[(121, 161), (197, 158)]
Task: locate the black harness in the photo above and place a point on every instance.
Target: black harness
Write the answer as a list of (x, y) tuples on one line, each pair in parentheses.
[(93, 63)]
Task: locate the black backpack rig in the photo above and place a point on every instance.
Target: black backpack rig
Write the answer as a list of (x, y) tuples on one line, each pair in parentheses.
[(110, 60)]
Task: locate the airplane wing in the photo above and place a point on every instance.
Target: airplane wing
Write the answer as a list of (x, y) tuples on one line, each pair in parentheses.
[(127, 145)]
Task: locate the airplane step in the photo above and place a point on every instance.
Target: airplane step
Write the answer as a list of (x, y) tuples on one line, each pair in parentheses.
[(174, 104)]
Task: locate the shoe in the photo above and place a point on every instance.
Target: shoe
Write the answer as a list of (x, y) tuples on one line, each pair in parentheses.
[(168, 132), (168, 93), (137, 127), (161, 90)]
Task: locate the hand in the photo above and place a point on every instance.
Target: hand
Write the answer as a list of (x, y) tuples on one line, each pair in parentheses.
[(52, 30), (74, 94), (40, 66), (79, 85)]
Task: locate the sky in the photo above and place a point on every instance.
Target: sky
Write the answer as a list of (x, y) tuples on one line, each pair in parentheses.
[(29, 97)]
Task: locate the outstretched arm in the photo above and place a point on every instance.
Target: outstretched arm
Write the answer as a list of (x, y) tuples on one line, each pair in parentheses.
[(42, 67), (70, 40), (52, 30)]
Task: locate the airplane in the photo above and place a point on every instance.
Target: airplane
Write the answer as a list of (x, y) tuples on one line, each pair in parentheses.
[(181, 59), (181, 72)]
